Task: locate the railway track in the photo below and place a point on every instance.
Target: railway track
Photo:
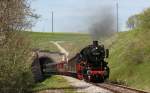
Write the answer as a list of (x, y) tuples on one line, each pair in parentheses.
[(115, 88), (118, 88)]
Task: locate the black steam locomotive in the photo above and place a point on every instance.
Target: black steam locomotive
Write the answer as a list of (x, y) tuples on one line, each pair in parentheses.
[(91, 64)]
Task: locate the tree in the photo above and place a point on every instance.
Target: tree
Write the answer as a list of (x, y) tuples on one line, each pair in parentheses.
[(15, 49), (15, 15), (133, 21), (145, 19), (141, 20)]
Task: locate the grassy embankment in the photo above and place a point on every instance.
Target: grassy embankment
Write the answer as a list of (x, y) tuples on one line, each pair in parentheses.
[(130, 59), (54, 82)]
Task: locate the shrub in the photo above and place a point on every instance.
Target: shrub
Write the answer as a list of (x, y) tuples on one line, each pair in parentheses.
[(15, 63)]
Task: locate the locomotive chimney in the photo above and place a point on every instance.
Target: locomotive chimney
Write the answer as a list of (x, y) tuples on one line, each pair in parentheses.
[(95, 43)]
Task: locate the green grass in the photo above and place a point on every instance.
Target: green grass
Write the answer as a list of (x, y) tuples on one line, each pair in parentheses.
[(43, 40), (130, 59), (72, 42), (54, 82), (39, 36)]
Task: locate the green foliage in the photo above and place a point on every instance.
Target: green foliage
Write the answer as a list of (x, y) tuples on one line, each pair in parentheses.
[(130, 53), (15, 63), (15, 52), (140, 21), (133, 21), (129, 59), (145, 19)]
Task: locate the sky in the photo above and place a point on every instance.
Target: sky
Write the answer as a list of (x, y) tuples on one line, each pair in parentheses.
[(78, 15)]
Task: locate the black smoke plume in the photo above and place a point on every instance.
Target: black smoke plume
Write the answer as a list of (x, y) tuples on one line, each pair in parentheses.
[(104, 24)]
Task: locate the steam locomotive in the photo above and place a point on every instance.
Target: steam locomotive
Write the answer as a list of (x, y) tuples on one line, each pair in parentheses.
[(89, 64)]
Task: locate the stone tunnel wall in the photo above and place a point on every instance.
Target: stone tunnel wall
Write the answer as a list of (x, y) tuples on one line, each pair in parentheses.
[(36, 69)]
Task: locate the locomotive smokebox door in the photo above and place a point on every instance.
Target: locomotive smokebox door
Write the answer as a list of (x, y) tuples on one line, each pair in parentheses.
[(107, 53)]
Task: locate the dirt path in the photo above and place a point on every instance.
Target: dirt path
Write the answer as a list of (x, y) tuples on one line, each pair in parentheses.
[(62, 50)]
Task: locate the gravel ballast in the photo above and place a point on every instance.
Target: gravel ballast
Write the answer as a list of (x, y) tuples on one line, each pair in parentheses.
[(84, 87)]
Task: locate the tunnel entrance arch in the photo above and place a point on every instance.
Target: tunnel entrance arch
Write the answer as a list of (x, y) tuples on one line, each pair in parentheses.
[(41, 59), (43, 62)]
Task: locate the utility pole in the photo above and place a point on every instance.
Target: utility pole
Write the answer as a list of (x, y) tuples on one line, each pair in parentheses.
[(117, 15), (52, 22)]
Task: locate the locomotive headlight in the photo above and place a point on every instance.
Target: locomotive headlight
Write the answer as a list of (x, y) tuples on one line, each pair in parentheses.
[(96, 47), (88, 72)]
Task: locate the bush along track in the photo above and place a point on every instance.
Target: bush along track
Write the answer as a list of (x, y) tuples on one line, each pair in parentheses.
[(129, 59)]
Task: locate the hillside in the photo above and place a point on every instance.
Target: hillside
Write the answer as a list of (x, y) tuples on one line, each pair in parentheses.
[(73, 42), (130, 59)]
